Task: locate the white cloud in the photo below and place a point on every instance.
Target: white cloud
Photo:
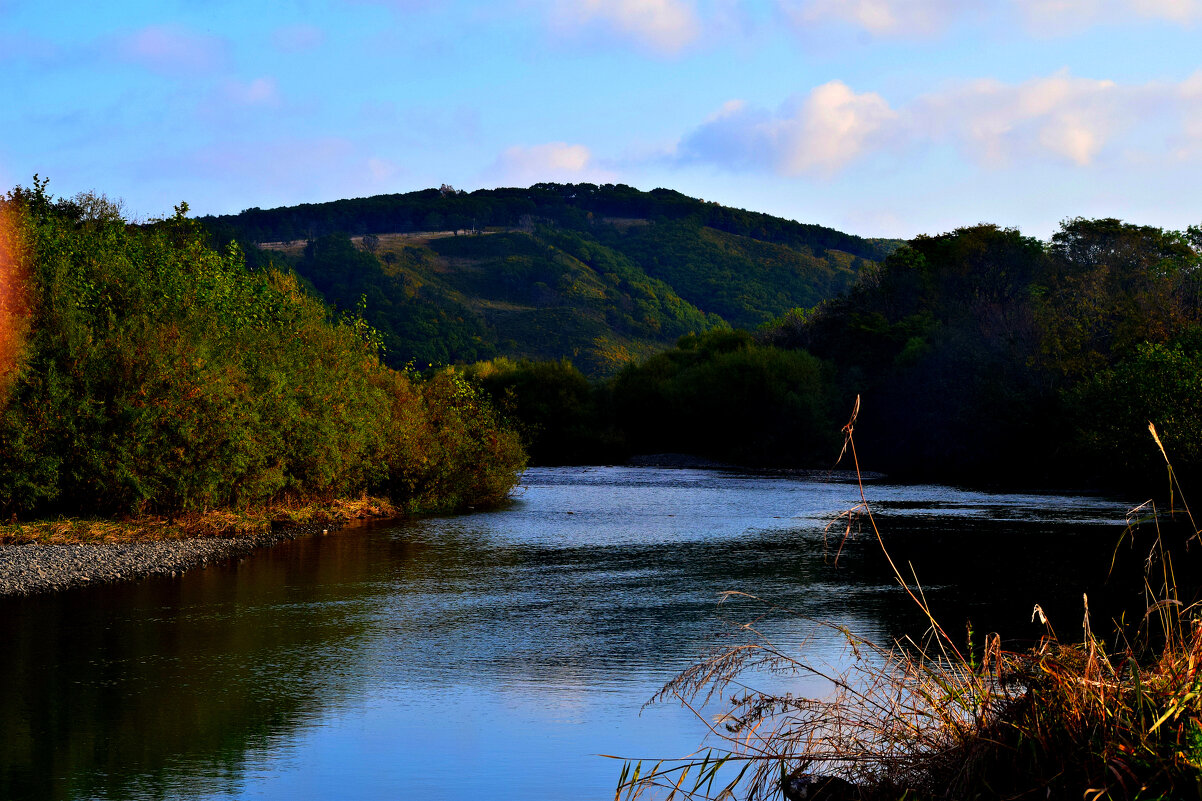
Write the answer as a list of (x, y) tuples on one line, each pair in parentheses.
[(821, 134), (878, 17), (924, 18), (553, 161), (1058, 16), (1078, 122), (382, 169), (284, 170), (1060, 116), (173, 50), (1052, 17), (22, 46), (664, 26), (1190, 94), (1174, 10), (835, 126), (399, 5), (297, 38), (259, 92)]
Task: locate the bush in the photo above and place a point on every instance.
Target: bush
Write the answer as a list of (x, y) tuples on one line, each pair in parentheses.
[(158, 375), (721, 395)]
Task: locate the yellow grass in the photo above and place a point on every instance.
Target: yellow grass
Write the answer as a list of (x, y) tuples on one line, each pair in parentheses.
[(217, 523)]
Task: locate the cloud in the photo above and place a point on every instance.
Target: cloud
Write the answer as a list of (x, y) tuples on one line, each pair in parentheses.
[(172, 50), (663, 26), (259, 92), (284, 170), (232, 104), (399, 5), (553, 161), (925, 18), (14, 47), (382, 169), (297, 38), (1056, 119), (878, 17), (1062, 117), (820, 134), (1189, 144), (1173, 10), (1058, 16), (1053, 17)]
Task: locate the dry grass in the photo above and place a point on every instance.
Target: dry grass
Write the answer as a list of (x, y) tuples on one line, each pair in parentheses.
[(387, 241), (926, 720), (217, 523)]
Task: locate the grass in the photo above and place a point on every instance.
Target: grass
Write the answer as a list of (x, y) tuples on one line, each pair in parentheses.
[(1094, 717), (216, 523)]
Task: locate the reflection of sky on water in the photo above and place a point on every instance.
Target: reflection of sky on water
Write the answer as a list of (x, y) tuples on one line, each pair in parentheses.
[(495, 655)]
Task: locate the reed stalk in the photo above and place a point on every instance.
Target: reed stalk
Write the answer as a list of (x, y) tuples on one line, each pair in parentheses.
[(925, 719)]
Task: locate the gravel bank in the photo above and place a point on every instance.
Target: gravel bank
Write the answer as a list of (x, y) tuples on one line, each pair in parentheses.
[(35, 568)]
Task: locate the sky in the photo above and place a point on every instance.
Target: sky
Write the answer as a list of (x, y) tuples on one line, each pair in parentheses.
[(876, 117)]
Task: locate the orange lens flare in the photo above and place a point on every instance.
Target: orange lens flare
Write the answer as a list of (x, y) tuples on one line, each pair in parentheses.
[(14, 309)]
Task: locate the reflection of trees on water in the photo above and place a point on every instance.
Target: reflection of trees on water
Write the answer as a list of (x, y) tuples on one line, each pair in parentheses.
[(116, 691), (163, 687), (994, 571)]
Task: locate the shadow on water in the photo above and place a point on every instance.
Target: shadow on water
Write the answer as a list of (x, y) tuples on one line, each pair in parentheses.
[(442, 658), (111, 691)]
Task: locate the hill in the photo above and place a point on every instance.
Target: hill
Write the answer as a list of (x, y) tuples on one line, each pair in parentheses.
[(598, 274)]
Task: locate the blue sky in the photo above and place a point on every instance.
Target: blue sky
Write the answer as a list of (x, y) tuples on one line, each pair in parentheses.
[(878, 117)]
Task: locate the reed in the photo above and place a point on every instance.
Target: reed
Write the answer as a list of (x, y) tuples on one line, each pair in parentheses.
[(1093, 718)]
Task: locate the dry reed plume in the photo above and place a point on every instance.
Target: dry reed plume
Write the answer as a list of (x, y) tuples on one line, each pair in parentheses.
[(923, 719)]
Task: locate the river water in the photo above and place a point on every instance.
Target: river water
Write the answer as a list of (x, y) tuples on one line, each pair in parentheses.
[(499, 655)]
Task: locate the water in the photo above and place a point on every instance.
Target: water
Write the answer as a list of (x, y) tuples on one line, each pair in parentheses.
[(497, 655)]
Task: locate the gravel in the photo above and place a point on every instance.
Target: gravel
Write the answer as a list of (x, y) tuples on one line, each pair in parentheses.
[(35, 568)]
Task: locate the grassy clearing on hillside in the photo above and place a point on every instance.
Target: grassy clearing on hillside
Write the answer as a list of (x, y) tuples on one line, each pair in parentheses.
[(392, 240)]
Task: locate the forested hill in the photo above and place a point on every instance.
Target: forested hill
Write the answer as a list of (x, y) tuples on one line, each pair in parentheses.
[(598, 274)]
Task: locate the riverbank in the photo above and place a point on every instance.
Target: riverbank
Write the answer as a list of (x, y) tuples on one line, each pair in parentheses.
[(51, 556)]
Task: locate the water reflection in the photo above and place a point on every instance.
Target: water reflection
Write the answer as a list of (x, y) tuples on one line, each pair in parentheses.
[(493, 655)]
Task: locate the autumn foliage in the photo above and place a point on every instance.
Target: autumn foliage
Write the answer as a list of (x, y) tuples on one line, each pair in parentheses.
[(162, 376)]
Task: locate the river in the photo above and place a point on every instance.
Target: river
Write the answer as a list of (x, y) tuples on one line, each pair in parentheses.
[(497, 655)]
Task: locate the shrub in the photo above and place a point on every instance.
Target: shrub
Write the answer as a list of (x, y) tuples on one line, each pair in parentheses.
[(158, 375), (937, 721)]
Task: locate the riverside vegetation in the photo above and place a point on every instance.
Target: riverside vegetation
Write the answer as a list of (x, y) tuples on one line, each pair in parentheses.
[(146, 375), (990, 356), (608, 322), (1115, 714)]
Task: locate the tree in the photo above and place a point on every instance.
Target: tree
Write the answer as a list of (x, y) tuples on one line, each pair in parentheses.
[(1113, 286)]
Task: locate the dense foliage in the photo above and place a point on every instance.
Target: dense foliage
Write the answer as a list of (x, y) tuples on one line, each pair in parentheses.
[(562, 416), (565, 205), (722, 396), (988, 354), (983, 355), (601, 275), (158, 375)]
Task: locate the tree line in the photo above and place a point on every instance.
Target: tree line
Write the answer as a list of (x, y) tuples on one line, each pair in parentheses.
[(980, 355), (146, 372), (566, 205), (602, 275)]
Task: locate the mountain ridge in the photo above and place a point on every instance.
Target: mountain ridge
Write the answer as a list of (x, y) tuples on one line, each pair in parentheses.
[(599, 275)]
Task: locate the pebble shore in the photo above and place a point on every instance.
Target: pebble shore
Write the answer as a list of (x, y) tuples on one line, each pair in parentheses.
[(35, 568)]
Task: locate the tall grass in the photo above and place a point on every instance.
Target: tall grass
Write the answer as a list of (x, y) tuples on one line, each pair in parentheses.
[(1093, 717)]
